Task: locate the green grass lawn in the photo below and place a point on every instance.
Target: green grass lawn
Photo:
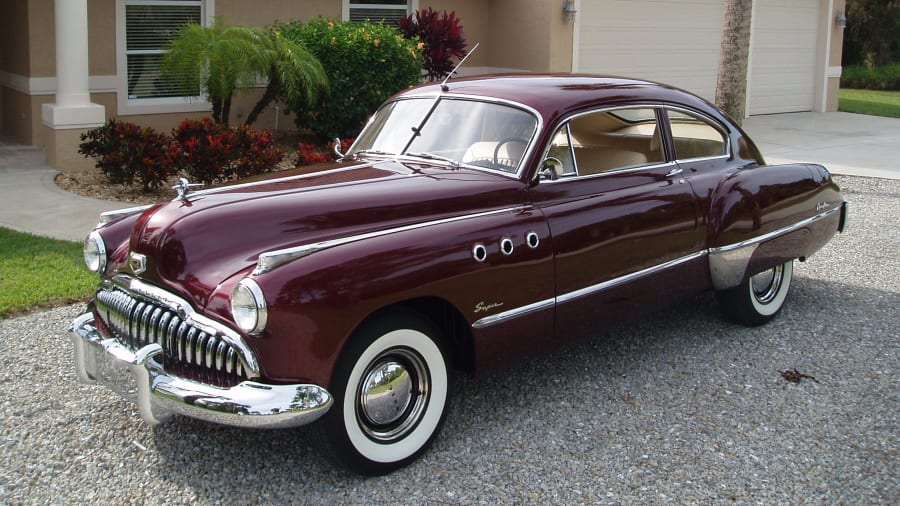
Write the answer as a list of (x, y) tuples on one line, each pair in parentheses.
[(37, 272), (876, 103)]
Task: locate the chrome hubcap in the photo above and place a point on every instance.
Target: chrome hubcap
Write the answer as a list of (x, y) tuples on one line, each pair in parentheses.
[(766, 284), (392, 395)]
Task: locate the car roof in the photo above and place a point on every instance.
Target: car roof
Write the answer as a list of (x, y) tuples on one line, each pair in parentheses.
[(552, 95)]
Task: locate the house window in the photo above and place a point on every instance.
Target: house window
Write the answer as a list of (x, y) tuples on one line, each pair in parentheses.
[(149, 26), (389, 11)]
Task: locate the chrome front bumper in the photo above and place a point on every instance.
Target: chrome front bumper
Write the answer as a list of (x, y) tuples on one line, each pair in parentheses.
[(138, 376)]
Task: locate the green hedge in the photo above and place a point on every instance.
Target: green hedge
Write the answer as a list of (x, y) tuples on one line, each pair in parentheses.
[(862, 77), (365, 62)]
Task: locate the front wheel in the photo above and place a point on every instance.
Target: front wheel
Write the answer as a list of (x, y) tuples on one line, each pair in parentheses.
[(758, 299), (391, 391)]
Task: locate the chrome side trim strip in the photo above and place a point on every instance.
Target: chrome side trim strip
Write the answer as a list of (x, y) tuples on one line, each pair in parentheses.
[(487, 321), (273, 259), (577, 294), (775, 233), (190, 316), (110, 216)]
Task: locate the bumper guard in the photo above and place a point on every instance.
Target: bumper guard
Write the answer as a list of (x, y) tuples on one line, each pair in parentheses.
[(139, 377)]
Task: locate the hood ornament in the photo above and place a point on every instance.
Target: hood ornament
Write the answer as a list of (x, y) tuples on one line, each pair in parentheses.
[(184, 188)]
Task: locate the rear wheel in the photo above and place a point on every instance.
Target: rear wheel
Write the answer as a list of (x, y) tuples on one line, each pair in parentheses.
[(758, 299), (391, 392)]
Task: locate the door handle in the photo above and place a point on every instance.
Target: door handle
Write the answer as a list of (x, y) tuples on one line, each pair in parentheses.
[(674, 172)]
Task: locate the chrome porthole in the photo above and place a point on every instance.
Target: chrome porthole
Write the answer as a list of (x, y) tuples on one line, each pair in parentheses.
[(506, 246), (532, 240), (479, 252)]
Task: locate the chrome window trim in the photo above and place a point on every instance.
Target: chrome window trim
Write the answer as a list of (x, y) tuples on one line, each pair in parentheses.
[(775, 233), (624, 170), (532, 142), (272, 259), (184, 309), (726, 133)]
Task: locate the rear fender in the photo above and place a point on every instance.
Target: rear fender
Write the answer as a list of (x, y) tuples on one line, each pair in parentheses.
[(768, 215)]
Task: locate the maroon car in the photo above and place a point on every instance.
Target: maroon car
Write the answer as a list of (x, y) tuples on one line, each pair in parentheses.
[(470, 224)]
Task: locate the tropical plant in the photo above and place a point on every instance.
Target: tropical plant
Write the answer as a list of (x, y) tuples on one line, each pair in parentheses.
[(223, 60), (365, 62), (124, 151), (872, 36), (442, 36)]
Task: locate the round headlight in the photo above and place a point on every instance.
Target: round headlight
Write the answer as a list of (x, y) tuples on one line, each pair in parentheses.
[(248, 306), (95, 253)]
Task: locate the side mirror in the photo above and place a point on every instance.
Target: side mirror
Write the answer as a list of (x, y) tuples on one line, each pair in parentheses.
[(551, 169)]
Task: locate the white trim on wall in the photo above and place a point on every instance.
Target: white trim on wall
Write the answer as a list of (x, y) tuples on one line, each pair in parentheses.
[(39, 86)]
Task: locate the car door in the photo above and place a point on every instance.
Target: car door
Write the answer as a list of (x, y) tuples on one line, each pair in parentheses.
[(622, 216)]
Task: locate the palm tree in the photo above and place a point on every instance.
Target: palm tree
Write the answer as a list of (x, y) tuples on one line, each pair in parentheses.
[(223, 60), (731, 85), (294, 74)]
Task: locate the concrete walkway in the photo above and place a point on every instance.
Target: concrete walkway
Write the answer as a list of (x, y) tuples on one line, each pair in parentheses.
[(850, 144), (31, 202), (845, 143)]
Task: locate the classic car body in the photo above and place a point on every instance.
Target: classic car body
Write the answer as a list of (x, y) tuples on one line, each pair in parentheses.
[(468, 225)]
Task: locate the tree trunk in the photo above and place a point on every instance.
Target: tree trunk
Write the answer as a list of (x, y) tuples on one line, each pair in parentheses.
[(273, 90), (226, 110), (216, 110), (731, 85)]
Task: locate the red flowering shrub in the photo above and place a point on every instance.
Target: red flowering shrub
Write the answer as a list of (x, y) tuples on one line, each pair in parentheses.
[(208, 151), (201, 149), (256, 152), (310, 154), (124, 150), (442, 36)]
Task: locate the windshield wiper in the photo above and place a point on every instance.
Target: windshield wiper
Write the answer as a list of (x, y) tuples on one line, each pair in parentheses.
[(372, 152), (432, 156)]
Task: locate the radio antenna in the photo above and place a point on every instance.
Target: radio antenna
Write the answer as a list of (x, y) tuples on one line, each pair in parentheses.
[(444, 86)]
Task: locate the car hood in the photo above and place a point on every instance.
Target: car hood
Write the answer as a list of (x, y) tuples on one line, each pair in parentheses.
[(195, 243)]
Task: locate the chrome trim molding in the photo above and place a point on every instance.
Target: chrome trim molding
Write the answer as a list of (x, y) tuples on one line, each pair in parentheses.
[(532, 239), (493, 319), (272, 259), (189, 315), (362, 165), (577, 294), (138, 376), (479, 252), (110, 216), (728, 264), (775, 233), (507, 246)]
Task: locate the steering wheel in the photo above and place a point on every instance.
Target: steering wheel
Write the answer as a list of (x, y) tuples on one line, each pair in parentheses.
[(502, 142)]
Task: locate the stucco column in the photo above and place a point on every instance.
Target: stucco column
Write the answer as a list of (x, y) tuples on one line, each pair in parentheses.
[(73, 111)]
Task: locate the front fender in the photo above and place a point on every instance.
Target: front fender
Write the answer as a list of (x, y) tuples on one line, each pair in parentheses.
[(768, 215), (318, 300)]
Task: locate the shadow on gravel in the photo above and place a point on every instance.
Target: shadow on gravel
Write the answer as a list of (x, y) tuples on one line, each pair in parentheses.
[(682, 373)]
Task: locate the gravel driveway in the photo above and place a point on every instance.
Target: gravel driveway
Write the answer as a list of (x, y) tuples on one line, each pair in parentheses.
[(682, 407)]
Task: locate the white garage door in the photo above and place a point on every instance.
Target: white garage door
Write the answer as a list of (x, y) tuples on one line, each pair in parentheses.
[(671, 42), (783, 56)]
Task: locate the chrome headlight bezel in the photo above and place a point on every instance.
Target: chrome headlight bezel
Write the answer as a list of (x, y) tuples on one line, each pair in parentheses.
[(248, 307), (94, 253)]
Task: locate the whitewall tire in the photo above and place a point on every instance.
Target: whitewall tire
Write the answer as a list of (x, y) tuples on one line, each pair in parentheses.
[(391, 388), (760, 298)]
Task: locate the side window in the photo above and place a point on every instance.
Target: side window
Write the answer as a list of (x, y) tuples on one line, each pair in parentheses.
[(614, 139), (696, 137)]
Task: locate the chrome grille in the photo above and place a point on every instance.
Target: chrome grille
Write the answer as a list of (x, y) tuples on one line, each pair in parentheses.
[(188, 351)]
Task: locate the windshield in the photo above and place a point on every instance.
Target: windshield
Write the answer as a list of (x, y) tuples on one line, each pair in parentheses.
[(482, 134)]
